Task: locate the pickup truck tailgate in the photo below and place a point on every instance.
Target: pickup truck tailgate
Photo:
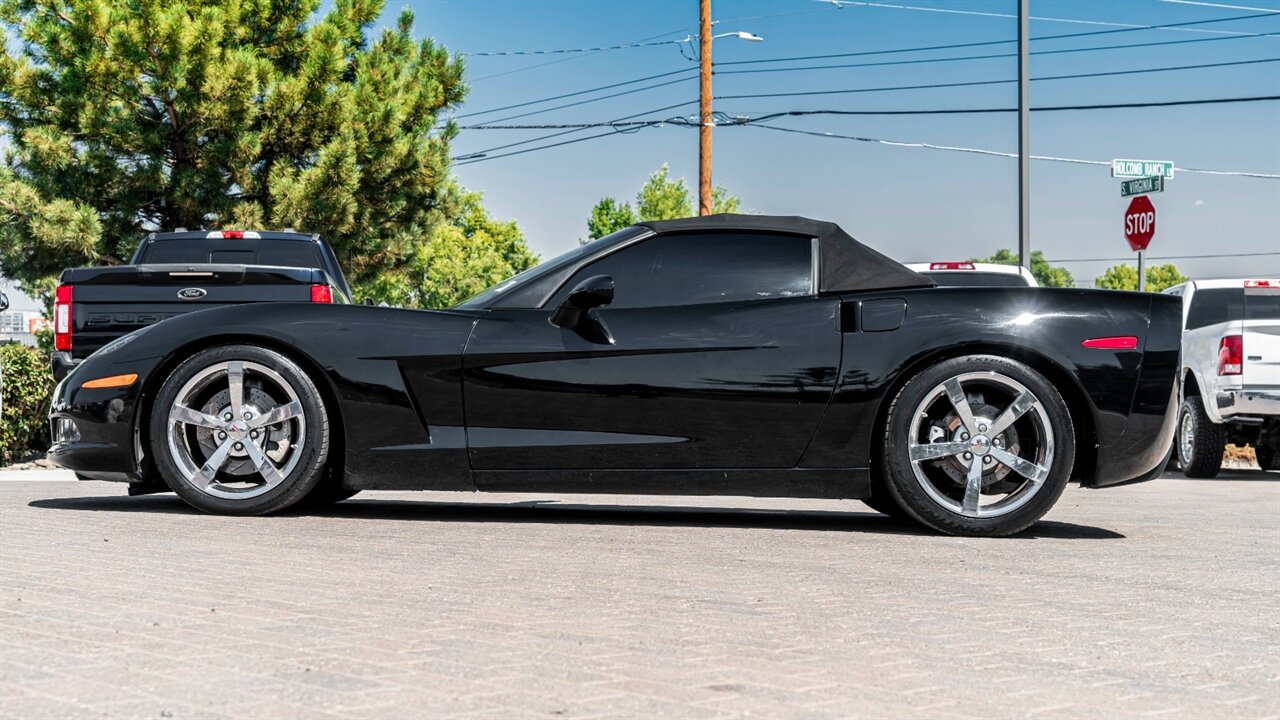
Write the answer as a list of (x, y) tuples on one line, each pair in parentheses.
[(112, 301)]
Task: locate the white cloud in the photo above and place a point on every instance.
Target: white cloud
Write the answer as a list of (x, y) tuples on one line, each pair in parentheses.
[(1198, 203)]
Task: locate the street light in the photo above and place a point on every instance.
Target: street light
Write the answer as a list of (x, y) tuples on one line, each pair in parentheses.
[(705, 121)]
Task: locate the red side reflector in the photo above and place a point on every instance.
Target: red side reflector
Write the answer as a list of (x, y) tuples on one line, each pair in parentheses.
[(62, 318), (321, 294), (951, 266), (1231, 355), (1120, 342)]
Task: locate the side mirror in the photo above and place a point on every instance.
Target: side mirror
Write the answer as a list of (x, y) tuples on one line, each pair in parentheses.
[(589, 294), (577, 311), (367, 301)]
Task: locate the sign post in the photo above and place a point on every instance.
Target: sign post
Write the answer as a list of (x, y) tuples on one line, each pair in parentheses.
[(1139, 228)]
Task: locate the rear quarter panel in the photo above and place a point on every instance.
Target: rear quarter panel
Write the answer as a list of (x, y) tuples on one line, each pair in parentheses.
[(1121, 400)]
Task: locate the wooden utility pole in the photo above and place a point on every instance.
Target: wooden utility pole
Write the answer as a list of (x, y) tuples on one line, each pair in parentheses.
[(704, 113)]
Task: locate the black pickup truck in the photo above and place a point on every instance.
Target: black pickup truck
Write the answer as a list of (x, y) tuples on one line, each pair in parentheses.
[(180, 272)]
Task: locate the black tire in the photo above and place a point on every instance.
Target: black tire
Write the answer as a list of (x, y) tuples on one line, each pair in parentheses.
[(1268, 458), (909, 491), (301, 476), (1202, 456), (328, 493), (885, 505)]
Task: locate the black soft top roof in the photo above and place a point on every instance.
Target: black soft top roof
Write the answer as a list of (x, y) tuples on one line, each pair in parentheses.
[(844, 264)]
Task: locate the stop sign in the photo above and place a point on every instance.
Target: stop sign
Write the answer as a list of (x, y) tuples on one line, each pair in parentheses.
[(1140, 223)]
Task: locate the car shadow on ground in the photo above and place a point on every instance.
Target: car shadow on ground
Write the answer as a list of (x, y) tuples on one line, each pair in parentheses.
[(1233, 474), (559, 512)]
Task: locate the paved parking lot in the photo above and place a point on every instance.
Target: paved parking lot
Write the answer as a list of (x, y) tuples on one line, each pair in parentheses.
[(1158, 600)]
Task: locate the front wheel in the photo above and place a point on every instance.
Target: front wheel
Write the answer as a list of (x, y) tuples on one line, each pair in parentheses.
[(240, 430), (978, 445)]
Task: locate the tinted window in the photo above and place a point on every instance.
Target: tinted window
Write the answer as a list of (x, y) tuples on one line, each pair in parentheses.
[(1217, 305), (704, 268), (970, 278), (1262, 305), (287, 253)]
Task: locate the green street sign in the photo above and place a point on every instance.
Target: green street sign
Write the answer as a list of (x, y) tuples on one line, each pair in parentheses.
[(1142, 186), (1142, 168)]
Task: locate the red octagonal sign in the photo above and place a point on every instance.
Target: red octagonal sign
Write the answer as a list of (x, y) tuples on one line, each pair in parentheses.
[(1140, 223)]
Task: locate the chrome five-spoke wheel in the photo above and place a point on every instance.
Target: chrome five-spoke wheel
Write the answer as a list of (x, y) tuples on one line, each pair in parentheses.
[(240, 429), (978, 445), (236, 430), (981, 444)]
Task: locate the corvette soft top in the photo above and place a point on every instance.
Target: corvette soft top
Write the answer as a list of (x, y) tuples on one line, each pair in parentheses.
[(844, 264)]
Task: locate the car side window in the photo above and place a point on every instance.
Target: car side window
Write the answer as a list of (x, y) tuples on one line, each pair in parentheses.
[(697, 268), (1215, 305)]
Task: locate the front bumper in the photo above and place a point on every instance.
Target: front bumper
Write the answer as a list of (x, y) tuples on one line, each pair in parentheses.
[(93, 428), (1245, 402)]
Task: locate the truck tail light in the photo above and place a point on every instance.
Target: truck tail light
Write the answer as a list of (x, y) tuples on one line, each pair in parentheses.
[(233, 235), (62, 318), (1231, 355), (951, 266), (321, 294)]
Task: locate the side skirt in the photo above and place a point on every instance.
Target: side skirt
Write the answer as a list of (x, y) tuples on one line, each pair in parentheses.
[(832, 483)]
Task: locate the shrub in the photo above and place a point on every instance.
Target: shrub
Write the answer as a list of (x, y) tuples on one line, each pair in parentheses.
[(26, 385)]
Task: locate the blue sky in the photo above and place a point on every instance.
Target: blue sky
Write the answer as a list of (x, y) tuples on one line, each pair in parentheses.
[(915, 204)]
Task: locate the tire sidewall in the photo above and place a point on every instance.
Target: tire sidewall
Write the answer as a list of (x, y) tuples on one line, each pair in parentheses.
[(900, 477), (305, 475)]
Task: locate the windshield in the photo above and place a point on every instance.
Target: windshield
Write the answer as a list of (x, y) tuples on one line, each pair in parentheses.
[(547, 270)]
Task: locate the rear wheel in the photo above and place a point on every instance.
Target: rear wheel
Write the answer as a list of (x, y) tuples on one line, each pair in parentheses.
[(240, 430), (1200, 442), (978, 445), (885, 505)]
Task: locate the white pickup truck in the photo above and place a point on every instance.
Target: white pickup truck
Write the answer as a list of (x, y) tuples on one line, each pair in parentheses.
[(1230, 372)]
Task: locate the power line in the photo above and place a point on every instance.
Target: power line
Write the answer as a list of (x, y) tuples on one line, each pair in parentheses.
[(484, 154), (563, 51), (1168, 257), (734, 120), (874, 52), (996, 153), (570, 58), (1074, 21), (1127, 46), (1217, 5), (983, 43), (589, 100), (973, 83), (579, 92)]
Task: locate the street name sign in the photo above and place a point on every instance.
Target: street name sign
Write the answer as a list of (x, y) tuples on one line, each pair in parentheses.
[(1142, 186), (1142, 168), (1140, 223)]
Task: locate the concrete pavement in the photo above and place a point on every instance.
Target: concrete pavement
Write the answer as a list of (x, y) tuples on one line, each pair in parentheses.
[(1157, 600)]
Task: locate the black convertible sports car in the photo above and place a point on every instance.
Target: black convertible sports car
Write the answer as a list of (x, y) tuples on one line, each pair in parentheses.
[(725, 355)]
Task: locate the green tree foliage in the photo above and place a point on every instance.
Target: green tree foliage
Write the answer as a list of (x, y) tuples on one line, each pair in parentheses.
[(25, 388), (609, 216), (661, 198), (1045, 274), (124, 117), (1125, 277)]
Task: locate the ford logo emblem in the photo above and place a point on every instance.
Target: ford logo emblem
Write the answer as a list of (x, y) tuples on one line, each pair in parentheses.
[(192, 293)]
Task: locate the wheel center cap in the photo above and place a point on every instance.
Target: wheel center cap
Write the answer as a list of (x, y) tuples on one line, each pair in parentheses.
[(979, 444), (237, 429)]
